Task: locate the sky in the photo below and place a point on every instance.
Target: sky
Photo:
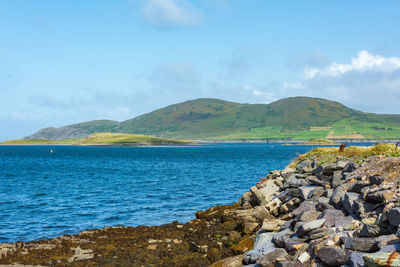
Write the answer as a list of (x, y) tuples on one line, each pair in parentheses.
[(64, 62)]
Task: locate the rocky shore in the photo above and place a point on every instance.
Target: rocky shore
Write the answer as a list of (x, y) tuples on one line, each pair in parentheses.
[(325, 209)]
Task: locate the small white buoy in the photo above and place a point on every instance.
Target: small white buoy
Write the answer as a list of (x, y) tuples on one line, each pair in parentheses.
[(51, 150)]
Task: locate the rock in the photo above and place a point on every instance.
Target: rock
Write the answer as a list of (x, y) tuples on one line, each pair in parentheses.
[(274, 207), (266, 193), (384, 240), (304, 257), (235, 261), (323, 204), (304, 166), (374, 179), (263, 238), (357, 186), (371, 230), (290, 205), (307, 227), (343, 221), (348, 200), (272, 224), (268, 259), (336, 178), (261, 213), (293, 182), (366, 244), (82, 254), (250, 227), (321, 232), (349, 167), (286, 225), (262, 246), (363, 209), (382, 259), (332, 256), (308, 215), (328, 170), (337, 195), (305, 205), (330, 215), (307, 191), (393, 216), (280, 239), (294, 244), (315, 181), (340, 165), (356, 260), (382, 196)]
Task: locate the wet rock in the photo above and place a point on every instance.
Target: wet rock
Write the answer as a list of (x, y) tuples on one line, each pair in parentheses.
[(81, 254), (332, 256), (307, 227), (382, 259), (348, 200), (393, 216), (268, 259)]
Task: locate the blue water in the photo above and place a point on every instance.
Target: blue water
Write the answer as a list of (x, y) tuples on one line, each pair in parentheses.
[(45, 195)]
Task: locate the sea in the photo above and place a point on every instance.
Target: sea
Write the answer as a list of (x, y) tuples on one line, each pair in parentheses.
[(49, 191)]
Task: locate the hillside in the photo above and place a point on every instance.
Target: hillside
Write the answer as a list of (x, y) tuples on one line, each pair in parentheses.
[(295, 118), (105, 138)]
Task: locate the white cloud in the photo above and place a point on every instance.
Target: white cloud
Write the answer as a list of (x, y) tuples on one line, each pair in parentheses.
[(171, 13), (364, 61), (369, 83)]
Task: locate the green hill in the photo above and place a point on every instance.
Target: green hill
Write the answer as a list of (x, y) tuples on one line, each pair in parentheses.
[(295, 118)]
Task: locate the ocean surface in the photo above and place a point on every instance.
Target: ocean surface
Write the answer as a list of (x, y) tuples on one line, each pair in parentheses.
[(45, 195)]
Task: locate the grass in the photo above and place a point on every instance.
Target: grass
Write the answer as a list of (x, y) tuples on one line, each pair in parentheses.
[(355, 153), (105, 138)]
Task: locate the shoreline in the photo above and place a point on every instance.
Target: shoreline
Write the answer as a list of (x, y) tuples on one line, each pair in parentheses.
[(311, 212)]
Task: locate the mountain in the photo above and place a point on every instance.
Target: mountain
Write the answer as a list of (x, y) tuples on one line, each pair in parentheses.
[(295, 118)]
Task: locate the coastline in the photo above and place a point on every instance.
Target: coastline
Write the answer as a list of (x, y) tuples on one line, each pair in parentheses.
[(276, 219)]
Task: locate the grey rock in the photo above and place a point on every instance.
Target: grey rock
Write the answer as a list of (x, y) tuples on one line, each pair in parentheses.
[(305, 205), (317, 170), (328, 193), (356, 260), (323, 204), (337, 195), (293, 182), (364, 244), (343, 221), (268, 259), (371, 230), (307, 191), (325, 179), (321, 232), (293, 243), (263, 238), (357, 186), (381, 196), (308, 215), (266, 193), (374, 179), (328, 170), (340, 165), (315, 181), (348, 200), (282, 237), (393, 216), (286, 225), (363, 209), (349, 167), (330, 215), (332, 256), (307, 227), (253, 255), (385, 240), (261, 213), (336, 178), (382, 259)]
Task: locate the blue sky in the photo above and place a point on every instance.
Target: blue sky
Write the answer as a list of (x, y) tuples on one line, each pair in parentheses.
[(63, 62)]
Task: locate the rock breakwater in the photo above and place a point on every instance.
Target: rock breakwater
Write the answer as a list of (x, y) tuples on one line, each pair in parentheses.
[(326, 209)]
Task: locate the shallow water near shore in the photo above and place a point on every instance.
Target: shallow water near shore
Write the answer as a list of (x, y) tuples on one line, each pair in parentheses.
[(45, 195)]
